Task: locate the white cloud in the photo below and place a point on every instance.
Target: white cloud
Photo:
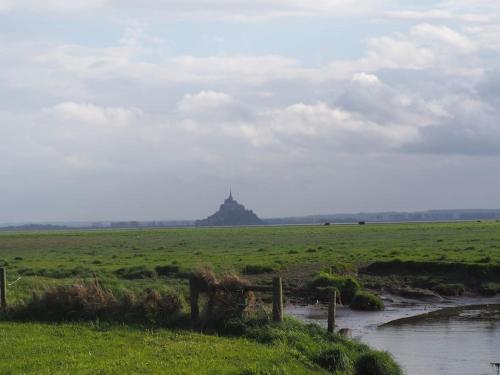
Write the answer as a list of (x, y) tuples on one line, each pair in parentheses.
[(235, 9), (90, 114), (64, 6), (365, 79), (442, 35), (466, 11), (205, 100)]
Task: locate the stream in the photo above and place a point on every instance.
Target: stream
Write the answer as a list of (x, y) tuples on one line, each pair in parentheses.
[(452, 337)]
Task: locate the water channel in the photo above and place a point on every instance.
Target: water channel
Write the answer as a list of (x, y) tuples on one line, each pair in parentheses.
[(425, 338)]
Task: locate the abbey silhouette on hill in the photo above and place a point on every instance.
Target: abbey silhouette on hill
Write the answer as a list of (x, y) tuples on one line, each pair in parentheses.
[(231, 213)]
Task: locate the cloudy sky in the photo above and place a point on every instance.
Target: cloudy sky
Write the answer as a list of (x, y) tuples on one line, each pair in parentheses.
[(151, 109)]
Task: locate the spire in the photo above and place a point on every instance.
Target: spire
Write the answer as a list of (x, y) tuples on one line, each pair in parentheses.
[(230, 194)]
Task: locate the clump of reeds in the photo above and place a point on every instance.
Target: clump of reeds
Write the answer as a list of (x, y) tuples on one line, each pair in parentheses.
[(88, 300)]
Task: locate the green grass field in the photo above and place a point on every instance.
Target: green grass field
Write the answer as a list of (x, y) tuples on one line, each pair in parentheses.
[(29, 348), (49, 258), (285, 249)]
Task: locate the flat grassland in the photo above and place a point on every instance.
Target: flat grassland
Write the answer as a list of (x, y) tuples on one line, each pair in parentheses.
[(48, 258), (44, 258), (82, 348)]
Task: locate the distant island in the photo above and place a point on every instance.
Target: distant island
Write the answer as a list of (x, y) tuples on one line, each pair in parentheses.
[(230, 213)]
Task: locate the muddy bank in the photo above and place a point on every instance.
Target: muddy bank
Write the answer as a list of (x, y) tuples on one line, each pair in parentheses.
[(490, 312), (443, 278)]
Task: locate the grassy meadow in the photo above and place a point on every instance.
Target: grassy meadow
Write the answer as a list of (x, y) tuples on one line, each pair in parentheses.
[(127, 259), (295, 251), (80, 348)]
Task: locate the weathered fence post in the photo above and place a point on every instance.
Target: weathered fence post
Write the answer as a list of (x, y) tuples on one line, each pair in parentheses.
[(277, 299), (193, 298), (332, 307), (3, 288)]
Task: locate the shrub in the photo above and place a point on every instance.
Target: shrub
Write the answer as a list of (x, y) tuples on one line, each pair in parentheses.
[(366, 301), (136, 272), (156, 307), (376, 363), (335, 359), (346, 285), (253, 269), (450, 290)]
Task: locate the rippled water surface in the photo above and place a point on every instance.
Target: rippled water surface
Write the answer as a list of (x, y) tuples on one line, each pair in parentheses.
[(462, 341)]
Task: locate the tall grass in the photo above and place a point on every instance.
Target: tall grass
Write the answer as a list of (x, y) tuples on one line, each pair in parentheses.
[(89, 301), (323, 283)]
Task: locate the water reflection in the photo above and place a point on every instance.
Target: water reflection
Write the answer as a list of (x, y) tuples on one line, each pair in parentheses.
[(464, 341)]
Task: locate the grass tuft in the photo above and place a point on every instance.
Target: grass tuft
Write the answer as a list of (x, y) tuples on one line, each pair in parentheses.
[(366, 301), (324, 283), (376, 363)]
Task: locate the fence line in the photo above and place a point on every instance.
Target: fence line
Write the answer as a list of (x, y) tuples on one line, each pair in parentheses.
[(277, 299), (194, 295)]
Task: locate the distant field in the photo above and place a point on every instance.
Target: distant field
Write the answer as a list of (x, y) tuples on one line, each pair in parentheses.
[(45, 258)]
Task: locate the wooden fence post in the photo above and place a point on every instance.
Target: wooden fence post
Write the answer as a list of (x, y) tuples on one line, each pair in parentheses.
[(3, 288), (332, 307), (193, 298), (277, 299)]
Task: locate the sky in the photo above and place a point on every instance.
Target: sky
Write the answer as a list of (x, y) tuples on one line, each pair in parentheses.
[(153, 109)]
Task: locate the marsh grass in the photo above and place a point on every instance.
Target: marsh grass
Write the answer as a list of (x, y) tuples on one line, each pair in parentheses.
[(376, 363), (89, 301), (64, 255), (366, 301), (323, 283)]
